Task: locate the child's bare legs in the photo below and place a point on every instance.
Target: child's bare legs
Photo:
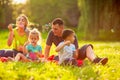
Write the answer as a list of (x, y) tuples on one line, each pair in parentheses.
[(21, 57)]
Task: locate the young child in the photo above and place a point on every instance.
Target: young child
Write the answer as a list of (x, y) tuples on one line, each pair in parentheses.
[(66, 49), (32, 48)]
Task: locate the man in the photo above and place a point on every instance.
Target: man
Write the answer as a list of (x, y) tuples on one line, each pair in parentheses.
[(55, 36)]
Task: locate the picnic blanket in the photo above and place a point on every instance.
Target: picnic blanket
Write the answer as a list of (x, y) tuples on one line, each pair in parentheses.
[(50, 59)]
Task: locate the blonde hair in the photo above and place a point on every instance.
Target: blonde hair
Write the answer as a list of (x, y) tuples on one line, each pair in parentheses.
[(36, 33), (25, 17)]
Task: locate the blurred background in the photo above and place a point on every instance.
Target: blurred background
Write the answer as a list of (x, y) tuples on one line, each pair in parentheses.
[(91, 19)]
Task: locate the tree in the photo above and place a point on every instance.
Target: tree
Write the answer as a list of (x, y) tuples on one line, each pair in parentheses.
[(100, 19), (43, 12), (5, 13)]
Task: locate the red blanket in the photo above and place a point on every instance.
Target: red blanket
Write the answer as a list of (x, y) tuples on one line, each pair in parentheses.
[(50, 58)]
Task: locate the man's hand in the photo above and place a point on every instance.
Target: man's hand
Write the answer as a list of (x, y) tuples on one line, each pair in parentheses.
[(47, 50)]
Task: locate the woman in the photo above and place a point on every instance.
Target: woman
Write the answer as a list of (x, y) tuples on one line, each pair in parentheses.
[(17, 37)]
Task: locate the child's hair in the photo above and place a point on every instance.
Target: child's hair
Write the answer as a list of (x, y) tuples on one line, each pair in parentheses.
[(58, 21), (25, 17), (35, 32), (66, 33)]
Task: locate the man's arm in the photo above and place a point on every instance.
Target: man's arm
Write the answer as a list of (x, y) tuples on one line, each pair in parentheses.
[(76, 43), (47, 51), (48, 44), (75, 55)]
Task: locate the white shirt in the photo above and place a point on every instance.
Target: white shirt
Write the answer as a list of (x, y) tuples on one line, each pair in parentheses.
[(66, 52)]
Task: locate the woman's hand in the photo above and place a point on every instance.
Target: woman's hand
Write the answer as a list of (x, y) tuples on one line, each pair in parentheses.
[(24, 47), (20, 48), (10, 27), (39, 54), (26, 43)]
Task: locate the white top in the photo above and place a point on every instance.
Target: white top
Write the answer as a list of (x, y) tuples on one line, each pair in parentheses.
[(66, 52)]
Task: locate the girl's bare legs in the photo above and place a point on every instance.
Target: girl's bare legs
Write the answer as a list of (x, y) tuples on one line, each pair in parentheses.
[(21, 57)]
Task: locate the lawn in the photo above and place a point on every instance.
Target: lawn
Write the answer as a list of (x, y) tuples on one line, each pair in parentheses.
[(51, 71)]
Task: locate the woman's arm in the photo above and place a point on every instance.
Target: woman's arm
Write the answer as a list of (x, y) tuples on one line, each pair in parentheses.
[(24, 47), (11, 35), (39, 54)]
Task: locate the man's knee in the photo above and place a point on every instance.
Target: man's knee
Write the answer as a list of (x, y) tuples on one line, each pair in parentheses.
[(82, 51), (89, 47)]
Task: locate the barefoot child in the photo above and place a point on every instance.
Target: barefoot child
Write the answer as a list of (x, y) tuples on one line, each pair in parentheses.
[(66, 49), (32, 48)]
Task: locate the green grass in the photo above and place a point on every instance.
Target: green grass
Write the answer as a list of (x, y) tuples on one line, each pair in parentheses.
[(51, 71)]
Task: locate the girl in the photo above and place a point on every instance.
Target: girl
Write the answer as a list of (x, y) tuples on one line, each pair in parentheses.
[(32, 48), (17, 37)]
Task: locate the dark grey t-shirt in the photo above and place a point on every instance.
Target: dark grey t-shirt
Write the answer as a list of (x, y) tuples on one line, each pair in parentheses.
[(56, 40)]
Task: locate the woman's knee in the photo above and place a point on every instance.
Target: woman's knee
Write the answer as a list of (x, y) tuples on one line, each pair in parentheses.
[(2, 52), (6, 53)]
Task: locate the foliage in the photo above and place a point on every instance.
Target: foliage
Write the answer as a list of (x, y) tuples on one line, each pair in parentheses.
[(100, 19), (45, 11), (5, 12), (94, 19)]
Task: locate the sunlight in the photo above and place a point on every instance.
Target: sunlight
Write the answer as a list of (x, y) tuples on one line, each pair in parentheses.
[(19, 1)]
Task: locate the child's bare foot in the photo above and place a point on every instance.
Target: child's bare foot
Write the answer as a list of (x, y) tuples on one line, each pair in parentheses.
[(11, 59)]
